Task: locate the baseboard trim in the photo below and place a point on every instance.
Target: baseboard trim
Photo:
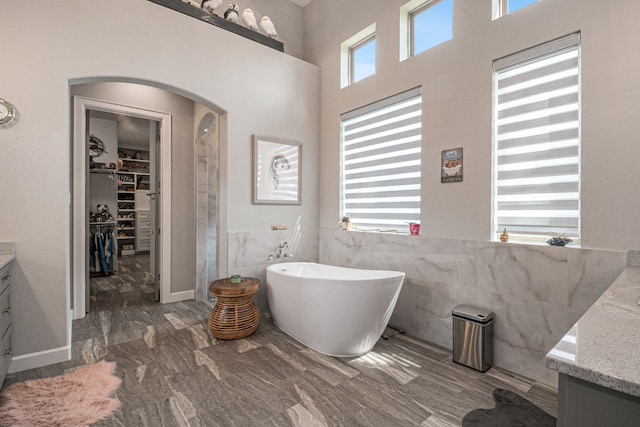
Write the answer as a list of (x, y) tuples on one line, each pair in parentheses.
[(39, 359), (179, 296)]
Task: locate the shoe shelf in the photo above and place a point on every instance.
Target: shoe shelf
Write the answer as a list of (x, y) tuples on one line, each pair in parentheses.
[(133, 176)]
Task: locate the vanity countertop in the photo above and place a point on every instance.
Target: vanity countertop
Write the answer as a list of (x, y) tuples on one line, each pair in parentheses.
[(7, 253), (602, 347)]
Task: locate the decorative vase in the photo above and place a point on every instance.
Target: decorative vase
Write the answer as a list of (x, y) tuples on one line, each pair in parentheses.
[(414, 229)]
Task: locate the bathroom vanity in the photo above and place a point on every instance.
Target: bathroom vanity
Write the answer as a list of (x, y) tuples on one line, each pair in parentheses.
[(6, 257), (597, 360)]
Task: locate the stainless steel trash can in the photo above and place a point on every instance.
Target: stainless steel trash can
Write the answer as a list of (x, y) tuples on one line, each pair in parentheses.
[(473, 337)]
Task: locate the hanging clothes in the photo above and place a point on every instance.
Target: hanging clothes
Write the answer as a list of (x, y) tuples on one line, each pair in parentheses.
[(111, 249), (103, 259), (102, 249)]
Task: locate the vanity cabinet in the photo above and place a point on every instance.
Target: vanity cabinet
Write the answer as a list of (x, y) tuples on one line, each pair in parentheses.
[(597, 362), (582, 403), (5, 322)]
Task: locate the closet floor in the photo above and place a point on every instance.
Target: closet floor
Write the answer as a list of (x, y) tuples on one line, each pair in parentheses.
[(129, 286), (175, 374)]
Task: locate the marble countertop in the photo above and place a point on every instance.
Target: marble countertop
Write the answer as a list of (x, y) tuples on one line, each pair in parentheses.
[(602, 347), (7, 253)]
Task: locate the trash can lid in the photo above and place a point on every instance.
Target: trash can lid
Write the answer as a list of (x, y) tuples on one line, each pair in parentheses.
[(473, 313)]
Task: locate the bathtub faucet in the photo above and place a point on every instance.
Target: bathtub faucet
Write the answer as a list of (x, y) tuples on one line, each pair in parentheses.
[(280, 248)]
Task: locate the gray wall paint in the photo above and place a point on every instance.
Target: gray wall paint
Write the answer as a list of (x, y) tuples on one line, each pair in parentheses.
[(258, 90), (285, 15), (456, 79), (288, 19)]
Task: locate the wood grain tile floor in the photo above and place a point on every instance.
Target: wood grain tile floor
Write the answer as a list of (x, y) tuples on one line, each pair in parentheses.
[(175, 374)]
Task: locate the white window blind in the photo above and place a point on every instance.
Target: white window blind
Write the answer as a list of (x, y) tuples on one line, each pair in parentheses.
[(381, 150), (537, 140)]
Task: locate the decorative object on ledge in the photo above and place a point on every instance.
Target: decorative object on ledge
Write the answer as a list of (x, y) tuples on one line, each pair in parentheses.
[(249, 19), (204, 15), (414, 229), (559, 240), (267, 27), (451, 161), (210, 5), (504, 237), (232, 14), (277, 171), (346, 222), (7, 112)]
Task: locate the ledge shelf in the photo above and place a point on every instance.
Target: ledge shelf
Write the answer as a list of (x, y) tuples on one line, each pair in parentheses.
[(212, 19)]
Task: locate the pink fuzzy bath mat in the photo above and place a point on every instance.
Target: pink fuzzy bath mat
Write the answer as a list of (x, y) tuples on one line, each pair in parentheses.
[(79, 398)]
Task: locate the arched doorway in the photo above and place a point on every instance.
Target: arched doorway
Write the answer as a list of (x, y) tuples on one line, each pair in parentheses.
[(188, 279)]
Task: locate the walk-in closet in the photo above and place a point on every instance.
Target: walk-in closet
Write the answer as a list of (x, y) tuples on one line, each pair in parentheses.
[(120, 198)]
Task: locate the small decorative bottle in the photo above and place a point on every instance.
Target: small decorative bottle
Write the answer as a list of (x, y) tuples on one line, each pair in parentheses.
[(346, 222)]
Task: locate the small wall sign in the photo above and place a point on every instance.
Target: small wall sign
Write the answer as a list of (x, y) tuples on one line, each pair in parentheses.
[(451, 165)]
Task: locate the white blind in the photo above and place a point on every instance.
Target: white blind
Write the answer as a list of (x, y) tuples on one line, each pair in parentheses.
[(537, 140), (381, 146)]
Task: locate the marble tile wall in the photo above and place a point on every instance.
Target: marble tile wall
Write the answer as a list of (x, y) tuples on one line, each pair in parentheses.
[(536, 292), (206, 153), (249, 253)]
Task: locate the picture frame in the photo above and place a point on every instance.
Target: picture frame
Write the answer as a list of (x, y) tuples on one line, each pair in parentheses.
[(277, 171), (451, 169)]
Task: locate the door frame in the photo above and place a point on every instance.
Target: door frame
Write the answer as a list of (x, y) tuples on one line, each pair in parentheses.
[(81, 105)]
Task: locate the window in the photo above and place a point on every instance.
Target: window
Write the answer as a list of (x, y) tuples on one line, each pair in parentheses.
[(504, 7), (381, 149), (363, 59), (358, 56), (537, 141), (424, 24)]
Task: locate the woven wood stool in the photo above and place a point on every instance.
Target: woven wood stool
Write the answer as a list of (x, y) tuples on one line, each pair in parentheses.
[(234, 315)]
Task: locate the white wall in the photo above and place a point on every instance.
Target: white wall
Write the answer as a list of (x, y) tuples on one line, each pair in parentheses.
[(103, 187), (54, 44), (456, 79)]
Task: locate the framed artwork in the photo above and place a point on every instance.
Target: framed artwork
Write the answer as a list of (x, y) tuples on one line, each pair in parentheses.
[(451, 165), (277, 171)]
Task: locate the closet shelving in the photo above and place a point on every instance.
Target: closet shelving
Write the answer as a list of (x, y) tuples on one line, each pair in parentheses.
[(105, 223), (133, 176), (126, 217), (105, 171)]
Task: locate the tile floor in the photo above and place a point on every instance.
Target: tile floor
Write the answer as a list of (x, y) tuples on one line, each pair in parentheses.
[(175, 374)]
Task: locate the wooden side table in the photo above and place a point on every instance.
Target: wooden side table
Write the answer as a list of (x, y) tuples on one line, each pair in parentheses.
[(234, 315)]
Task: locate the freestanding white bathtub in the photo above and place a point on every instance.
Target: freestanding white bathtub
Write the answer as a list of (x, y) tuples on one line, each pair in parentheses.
[(334, 310)]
